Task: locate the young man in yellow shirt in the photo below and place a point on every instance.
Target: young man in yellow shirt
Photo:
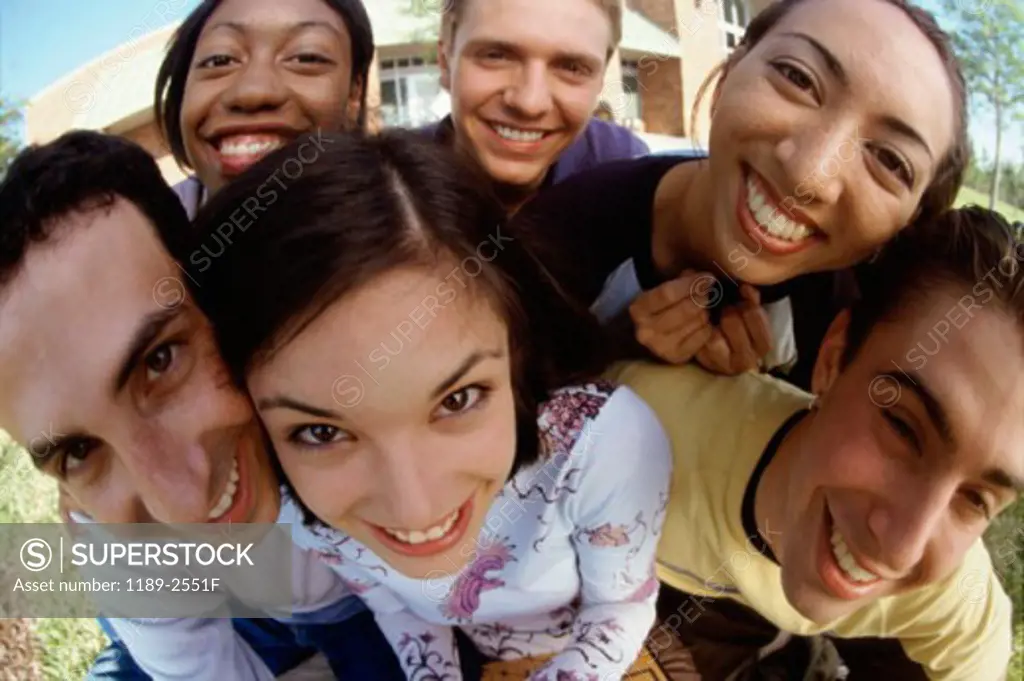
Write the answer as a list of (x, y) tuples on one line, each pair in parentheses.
[(859, 512)]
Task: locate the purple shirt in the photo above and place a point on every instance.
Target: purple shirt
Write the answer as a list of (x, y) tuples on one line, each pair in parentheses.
[(599, 143)]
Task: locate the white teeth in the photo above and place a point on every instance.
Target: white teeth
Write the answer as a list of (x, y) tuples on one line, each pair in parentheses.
[(847, 562), (248, 149), (772, 220), (516, 135), (228, 497), (423, 536)]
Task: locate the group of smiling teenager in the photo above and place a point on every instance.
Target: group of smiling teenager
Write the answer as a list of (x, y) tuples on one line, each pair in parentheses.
[(401, 355)]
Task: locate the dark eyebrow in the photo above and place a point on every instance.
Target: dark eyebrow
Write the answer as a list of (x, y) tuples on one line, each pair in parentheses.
[(239, 27), (464, 369), (151, 327), (936, 412), (1000, 478), (904, 129), (282, 402), (897, 125), (833, 63)]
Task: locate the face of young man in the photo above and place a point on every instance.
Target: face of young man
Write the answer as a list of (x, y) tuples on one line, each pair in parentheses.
[(916, 445), (524, 77), (110, 377)]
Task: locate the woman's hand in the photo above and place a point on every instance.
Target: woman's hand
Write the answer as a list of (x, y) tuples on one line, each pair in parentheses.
[(741, 340), (672, 320)]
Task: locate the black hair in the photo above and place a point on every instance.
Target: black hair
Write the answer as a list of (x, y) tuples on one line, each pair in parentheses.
[(969, 247), (361, 208), (173, 74), (81, 170)]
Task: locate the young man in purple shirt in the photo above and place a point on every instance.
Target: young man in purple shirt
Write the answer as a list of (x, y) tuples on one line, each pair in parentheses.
[(525, 77)]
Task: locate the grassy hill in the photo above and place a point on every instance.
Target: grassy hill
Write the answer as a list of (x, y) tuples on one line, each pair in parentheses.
[(968, 195)]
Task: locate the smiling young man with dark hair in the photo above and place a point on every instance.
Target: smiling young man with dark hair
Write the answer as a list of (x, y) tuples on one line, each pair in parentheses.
[(858, 513), (111, 378)]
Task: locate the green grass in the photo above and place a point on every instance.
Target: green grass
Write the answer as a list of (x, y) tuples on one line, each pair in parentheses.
[(66, 646), (968, 195)]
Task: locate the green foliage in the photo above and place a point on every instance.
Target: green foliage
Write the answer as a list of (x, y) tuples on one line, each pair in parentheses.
[(989, 40), (10, 118)]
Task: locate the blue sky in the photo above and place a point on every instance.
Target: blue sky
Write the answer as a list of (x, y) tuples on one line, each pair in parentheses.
[(41, 40)]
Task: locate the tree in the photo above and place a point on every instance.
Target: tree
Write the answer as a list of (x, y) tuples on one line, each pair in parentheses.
[(989, 40), (10, 140)]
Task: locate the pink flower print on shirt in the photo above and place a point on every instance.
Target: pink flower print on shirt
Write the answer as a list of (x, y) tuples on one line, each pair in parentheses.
[(608, 535), (646, 590), (464, 598)]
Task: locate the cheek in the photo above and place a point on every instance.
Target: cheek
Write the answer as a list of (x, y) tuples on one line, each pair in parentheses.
[(576, 102), (326, 102), (473, 86), (326, 483)]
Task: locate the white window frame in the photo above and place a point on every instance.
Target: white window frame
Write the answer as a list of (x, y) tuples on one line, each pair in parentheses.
[(396, 69), (632, 68), (733, 26)]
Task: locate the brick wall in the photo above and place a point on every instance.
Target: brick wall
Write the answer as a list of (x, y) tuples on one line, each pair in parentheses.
[(661, 95)]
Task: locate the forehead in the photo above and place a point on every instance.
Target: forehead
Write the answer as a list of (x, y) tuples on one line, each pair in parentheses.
[(70, 312), (538, 25), (970, 352), (274, 13), (893, 67), (392, 342)]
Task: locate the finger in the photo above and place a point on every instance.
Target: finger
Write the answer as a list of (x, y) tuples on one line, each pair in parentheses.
[(739, 341), (679, 348), (715, 355), (682, 316), (759, 328), (670, 327), (662, 297), (750, 294)]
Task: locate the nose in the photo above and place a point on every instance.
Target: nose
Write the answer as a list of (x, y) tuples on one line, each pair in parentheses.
[(407, 490), (529, 93), (905, 525), (256, 87), (171, 483), (817, 160)]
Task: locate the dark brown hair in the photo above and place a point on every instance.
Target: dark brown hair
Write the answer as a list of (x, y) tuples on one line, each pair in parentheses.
[(81, 171), (173, 74), (318, 230), (949, 175), (968, 247)]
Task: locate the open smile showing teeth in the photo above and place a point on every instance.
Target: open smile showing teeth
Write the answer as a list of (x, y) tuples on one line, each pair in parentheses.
[(249, 146), (770, 217), (847, 563), (517, 134), (414, 537), (228, 496)]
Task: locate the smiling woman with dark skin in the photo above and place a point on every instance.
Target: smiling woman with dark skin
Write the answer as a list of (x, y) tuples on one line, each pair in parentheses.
[(244, 77), (833, 124)]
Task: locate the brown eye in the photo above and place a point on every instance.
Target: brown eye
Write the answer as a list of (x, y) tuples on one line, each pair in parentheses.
[(160, 360), (461, 401), (796, 76), (215, 62), (317, 435)]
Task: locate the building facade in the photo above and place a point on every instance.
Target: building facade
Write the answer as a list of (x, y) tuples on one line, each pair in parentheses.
[(668, 49)]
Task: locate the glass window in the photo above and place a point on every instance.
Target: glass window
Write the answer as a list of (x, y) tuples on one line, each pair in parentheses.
[(631, 109), (410, 93), (734, 19)]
